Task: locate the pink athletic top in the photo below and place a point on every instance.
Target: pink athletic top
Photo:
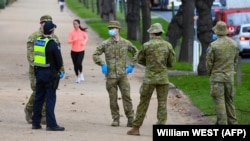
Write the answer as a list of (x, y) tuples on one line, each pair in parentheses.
[(77, 39)]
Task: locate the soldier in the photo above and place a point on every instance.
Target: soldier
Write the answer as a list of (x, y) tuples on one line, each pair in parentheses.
[(30, 56), (221, 60), (116, 68), (156, 55)]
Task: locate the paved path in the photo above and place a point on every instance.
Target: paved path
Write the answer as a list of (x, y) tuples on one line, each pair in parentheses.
[(83, 109)]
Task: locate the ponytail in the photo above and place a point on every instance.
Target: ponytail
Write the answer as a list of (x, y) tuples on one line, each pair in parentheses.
[(81, 28)]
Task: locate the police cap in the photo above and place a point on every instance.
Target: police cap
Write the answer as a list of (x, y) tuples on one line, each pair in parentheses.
[(48, 27)]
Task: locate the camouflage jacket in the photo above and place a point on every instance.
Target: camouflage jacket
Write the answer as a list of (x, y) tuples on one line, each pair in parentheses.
[(156, 55), (30, 46), (116, 56), (221, 59)]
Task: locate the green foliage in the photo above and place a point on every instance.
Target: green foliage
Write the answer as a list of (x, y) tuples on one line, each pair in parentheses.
[(198, 90), (2, 4), (99, 26), (245, 68), (80, 10), (182, 66), (242, 96)]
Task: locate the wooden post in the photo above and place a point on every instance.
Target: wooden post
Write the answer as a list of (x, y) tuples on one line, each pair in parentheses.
[(238, 71)]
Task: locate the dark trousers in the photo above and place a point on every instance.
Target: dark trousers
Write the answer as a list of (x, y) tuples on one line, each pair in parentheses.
[(44, 92), (77, 58)]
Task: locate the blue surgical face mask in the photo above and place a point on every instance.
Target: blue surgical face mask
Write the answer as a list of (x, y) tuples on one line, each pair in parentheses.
[(112, 32)]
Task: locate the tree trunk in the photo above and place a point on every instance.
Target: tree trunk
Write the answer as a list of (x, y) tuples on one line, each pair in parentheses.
[(204, 30), (86, 3), (98, 7), (175, 28), (107, 10), (186, 52), (146, 20), (133, 19), (125, 7), (92, 6)]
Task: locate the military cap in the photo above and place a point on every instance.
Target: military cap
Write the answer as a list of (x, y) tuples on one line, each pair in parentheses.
[(114, 24), (220, 28), (45, 18), (155, 28)]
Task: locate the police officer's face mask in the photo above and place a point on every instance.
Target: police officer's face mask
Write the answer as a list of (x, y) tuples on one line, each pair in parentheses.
[(112, 32)]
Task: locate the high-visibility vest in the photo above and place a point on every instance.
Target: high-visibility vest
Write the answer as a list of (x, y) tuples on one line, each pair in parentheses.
[(40, 52)]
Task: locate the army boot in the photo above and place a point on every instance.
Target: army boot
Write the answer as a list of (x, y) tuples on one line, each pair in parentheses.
[(134, 131), (130, 122), (28, 116), (115, 123)]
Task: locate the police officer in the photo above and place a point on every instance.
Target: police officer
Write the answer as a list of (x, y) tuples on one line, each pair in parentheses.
[(156, 55), (116, 68), (48, 62), (30, 56), (221, 60)]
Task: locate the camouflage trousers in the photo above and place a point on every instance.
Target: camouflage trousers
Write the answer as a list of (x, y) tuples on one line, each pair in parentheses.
[(222, 94), (29, 105), (112, 85), (146, 92)]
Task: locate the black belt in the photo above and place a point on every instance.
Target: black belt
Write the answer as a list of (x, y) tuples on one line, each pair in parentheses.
[(42, 68)]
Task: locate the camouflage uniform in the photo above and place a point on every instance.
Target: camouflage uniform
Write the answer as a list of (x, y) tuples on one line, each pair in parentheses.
[(221, 60), (156, 55), (30, 56), (116, 57)]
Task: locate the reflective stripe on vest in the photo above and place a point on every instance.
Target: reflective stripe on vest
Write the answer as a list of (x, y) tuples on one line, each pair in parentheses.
[(39, 52)]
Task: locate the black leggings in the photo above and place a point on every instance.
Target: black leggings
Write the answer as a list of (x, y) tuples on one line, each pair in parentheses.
[(77, 58)]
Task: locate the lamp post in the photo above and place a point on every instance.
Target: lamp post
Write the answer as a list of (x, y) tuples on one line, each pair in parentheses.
[(196, 45), (172, 4)]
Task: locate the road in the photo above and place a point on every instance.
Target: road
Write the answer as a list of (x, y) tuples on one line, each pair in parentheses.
[(246, 59), (167, 15)]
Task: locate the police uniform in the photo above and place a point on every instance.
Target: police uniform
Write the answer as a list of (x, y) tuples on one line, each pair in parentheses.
[(116, 54), (47, 62), (221, 60), (30, 57), (156, 55)]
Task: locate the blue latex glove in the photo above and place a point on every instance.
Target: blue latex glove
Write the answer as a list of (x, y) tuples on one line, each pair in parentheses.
[(214, 37), (104, 69), (129, 69), (61, 74)]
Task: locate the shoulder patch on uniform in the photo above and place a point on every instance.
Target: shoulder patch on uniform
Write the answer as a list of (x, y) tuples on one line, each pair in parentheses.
[(40, 42)]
